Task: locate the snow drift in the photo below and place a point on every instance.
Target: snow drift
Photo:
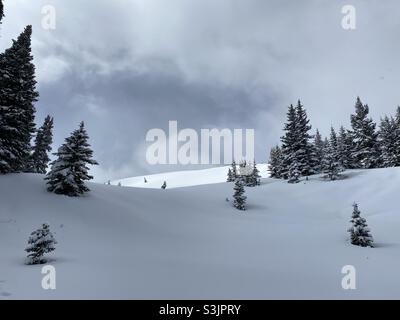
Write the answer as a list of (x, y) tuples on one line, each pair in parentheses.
[(190, 243)]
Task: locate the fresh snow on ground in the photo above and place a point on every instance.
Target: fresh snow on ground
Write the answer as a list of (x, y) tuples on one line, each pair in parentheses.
[(187, 178), (190, 243)]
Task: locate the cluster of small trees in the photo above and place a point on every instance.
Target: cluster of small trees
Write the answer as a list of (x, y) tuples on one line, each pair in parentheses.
[(246, 172), (244, 175), (362, 147), (17, 126)]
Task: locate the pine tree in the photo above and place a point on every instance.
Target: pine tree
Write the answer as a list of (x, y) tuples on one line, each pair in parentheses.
[(275, 162), (318, 151), (397, 136), (40, 242), (164, 185), (17, 96), (234, 171), (255, 175), (333, 140), (296, 147), (294, 172), (1, 10), (239, 197), (387, 142), (304, 152), (69, 171), (359, 231), (44, 138), (289, 141), (344, 149), (230, 177), (365, 151), (330, 164)]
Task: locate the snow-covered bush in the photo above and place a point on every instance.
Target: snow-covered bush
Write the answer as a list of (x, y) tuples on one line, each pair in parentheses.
[(359, 231), (40, 242)]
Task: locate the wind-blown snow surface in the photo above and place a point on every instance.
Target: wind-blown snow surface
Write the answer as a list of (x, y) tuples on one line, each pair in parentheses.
[(191, 243), (188, 178)]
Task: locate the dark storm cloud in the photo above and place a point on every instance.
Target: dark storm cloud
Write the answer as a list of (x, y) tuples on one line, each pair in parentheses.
[(128, 66)]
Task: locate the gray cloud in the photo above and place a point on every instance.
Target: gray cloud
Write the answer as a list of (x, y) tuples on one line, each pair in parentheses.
[(128, 66)]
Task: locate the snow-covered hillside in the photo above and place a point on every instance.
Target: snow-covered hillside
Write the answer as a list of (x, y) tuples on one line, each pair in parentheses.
[(191, 243), (187, 178)]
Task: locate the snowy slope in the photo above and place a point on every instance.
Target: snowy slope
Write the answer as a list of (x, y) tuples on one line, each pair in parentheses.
[(190, 243), (188, 178)]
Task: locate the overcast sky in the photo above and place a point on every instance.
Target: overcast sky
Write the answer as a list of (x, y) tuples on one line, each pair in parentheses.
[(127, 66)]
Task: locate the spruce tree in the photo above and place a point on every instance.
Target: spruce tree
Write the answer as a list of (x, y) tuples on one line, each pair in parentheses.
[(344, 149), (294, 172), (330, 164), (239, 201), (255, 175), (387, 142), (296, 149), (40, 242), (304, 152), (164, 185), (289, 141), (17, 96), (359, 231), (319, 151), (230, 176), (365, 152), (1, 10), (44, 138), (234, 171), (69, 171), (275, 162)]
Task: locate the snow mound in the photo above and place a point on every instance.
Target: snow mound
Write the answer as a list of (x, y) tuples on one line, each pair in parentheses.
[(190, 243), (179, 179)]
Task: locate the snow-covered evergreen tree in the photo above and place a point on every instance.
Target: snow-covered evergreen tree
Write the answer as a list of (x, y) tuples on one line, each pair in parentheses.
[(318, 151), (234, 170), (333, 140), (365, 152), (255, 175), (69, 171), (275, 162), (344, 149), (230, 176), (359, 231), (387, 142), (239, 201), (245, 173), (294, 172), (40, 242), (297, 151), (304, 151), (17, 96), (44, 138), (397, 136), (1, 10), (289, 141), (164, 185), (330, 164)]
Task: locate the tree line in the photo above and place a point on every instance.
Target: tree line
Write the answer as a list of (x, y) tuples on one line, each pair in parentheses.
[(18, 95), (363, 146)]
